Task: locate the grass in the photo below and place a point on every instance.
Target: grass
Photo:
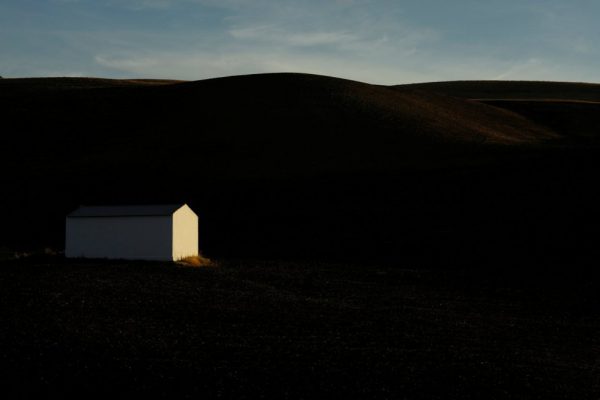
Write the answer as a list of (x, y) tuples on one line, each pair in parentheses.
[(295, 330), (196, 261)]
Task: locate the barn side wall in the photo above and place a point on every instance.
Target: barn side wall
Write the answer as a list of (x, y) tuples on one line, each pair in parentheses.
[(185, 233), (133, 238)]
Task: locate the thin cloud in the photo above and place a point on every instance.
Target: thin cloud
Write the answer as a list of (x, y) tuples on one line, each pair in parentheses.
[(521, 69), (274, 35)]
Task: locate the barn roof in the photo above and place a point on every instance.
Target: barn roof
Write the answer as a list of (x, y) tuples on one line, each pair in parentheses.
[(126, 211)]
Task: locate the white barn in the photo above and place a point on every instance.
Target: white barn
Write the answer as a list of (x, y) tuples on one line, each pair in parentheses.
[(149, 232)]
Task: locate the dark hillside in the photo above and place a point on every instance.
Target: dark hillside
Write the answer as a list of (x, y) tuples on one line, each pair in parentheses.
[(577, 120), (466, 233), (525, 90), (569, 108), (290, 165)]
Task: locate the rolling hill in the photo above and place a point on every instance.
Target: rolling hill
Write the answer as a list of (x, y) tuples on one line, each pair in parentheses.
[(296, 165), (569, 109), (467, 227)]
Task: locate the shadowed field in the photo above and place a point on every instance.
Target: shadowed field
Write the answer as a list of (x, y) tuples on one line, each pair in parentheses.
[(296, 330)]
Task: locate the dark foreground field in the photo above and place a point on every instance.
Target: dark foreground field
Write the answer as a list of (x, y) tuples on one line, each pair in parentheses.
[(297, 330)]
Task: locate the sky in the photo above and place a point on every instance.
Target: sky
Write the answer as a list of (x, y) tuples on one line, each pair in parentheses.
[(374, 41)]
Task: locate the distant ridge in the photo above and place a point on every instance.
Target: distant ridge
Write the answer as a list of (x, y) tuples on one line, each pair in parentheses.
[(11, 85), (512, 90)]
